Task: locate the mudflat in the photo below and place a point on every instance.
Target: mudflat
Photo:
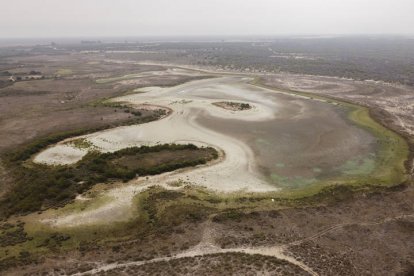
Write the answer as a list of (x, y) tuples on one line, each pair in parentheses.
[(283, 141)]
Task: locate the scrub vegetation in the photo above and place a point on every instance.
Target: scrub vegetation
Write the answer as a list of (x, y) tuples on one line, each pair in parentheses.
[(173, 216), (40, 186), (163, 213), (335, 226), (233, 106)]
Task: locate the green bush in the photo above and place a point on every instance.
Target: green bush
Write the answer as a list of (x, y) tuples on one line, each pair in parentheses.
[(39, 186)]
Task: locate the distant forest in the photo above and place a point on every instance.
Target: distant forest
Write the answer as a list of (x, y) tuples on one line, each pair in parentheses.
[(385, 58)]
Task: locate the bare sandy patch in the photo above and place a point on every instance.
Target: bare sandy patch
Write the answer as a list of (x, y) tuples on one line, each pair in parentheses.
[(60, 155)]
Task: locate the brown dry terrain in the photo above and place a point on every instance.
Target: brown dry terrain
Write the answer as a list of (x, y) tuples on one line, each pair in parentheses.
[(339, 237), (214, 264), (59, 104), (188, 232), (35, 108)]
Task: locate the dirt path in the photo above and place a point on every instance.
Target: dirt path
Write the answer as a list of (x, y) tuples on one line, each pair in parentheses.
[(277, 252), (207, 246), (341, 225)]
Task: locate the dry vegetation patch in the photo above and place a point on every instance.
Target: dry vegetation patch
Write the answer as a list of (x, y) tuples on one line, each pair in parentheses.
[(233, 106)]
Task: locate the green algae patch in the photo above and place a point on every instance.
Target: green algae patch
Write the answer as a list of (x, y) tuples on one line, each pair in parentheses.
[(384, 168), (358, 166), (291, 182), (392, 150)]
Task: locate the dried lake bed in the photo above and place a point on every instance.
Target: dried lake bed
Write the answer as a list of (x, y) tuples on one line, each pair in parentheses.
[(285, 142)]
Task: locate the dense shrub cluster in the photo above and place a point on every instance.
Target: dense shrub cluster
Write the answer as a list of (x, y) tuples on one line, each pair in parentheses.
[(240, 106), (12, 234), (101, 165), (182, 208), (40, 186), (234, 105)]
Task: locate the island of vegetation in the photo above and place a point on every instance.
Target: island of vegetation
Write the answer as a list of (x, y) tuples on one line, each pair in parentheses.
[(234, 106)]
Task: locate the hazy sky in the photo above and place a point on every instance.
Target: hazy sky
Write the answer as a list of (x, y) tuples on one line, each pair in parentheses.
[(49, 18)]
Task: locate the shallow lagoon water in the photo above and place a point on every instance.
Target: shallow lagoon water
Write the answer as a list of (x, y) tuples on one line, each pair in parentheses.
[(306, 141), (285, 140)]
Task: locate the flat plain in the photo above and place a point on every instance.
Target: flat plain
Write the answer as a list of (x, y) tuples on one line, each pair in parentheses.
[(115, 162)]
